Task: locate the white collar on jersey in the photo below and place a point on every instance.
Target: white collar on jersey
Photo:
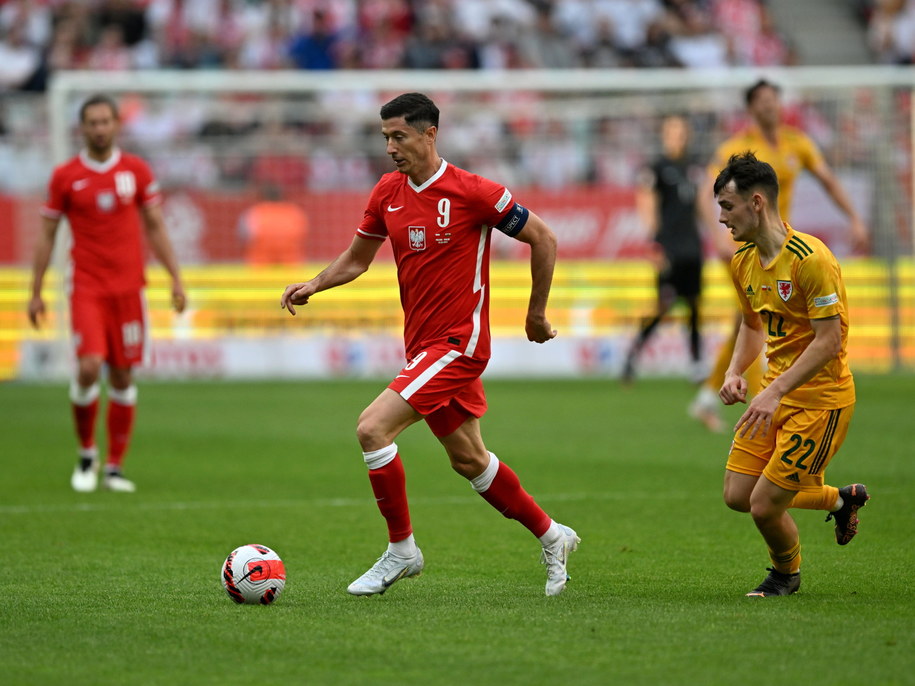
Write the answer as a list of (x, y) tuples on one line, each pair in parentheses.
[(432, 179), (100, 167)]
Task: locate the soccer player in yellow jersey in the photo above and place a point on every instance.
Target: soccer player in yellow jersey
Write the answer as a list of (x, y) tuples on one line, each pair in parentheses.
[(789, 151), (792, 297)]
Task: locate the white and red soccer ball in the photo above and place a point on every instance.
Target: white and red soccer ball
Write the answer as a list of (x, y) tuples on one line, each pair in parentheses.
[(254, 575)]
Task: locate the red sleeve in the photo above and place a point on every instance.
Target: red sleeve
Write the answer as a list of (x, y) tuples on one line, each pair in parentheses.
[(56, 203), (372, 225), (495, 201), (148, 191)]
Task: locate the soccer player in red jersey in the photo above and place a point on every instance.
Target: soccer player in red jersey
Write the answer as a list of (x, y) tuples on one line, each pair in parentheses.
[(439, 219), (106, 195)]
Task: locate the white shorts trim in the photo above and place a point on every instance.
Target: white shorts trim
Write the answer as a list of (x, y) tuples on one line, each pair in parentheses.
[(430, 371)]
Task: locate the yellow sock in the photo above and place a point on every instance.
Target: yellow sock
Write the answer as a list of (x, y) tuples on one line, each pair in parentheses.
[(787, 562), (824, 500)]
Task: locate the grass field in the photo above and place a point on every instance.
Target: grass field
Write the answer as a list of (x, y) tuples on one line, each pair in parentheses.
[(114, 589)]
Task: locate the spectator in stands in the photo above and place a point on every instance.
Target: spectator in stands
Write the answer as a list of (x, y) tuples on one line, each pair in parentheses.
[(629, 21), (34, 18), (315, 48), (274, 230), (128, 15), (544, 46), (771, 47), (739, 22), (20, 60), (110, 53), (892, 31), (694, 42)]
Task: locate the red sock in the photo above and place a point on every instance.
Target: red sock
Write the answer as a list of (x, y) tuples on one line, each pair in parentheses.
[(120, 427), (84, 417), (389, 483), (506, 495)]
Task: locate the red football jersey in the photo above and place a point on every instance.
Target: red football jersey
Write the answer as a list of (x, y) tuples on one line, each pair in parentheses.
[(102, 202), (440, 233)]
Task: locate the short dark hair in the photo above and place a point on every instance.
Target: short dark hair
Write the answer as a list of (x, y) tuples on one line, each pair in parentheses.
[(748, 174), (98, 99), (416, 109), (751, 92)]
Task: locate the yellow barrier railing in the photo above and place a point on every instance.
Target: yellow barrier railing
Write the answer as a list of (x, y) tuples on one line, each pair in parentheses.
[(588, 299)]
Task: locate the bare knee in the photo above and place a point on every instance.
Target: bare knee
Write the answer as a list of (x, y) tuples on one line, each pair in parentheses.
[(120, 377), (369, 433), (736, 501), (737, 490), (764, 511), (89, 371), (469, 464)]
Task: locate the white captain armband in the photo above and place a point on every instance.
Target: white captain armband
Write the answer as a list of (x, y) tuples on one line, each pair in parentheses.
[(514, 220)]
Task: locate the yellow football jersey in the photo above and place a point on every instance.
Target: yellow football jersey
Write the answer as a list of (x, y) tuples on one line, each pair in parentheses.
[(803, 282), (793, 152)]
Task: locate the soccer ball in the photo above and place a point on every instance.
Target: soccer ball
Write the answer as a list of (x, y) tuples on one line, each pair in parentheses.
[(253, 574)]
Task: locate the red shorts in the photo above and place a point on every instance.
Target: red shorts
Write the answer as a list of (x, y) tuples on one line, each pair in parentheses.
[(444, 386), (110, 326)]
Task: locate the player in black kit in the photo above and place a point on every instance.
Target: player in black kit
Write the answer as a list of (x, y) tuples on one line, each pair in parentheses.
[(667, 203)]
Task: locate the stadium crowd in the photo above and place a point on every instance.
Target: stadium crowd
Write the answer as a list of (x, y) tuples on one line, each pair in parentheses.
[(891, 29), (305, 143), (38, 37)]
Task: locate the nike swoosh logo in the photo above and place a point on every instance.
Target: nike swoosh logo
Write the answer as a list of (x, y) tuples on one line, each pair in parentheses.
[(402, 376), (394, 209), (79, 185), (386, 582)]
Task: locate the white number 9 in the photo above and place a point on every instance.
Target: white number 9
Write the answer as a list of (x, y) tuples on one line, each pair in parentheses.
[(444, 209)]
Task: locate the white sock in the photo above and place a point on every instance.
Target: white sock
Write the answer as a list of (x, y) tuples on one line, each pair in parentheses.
[(552, 534), (126, 396), (81, 395), (404, 548), (376, 459), (482, 482), (88, 453), (838, 505), (707, 396)]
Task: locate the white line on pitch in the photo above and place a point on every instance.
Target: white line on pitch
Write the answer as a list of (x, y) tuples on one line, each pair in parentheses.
[(123, 504)]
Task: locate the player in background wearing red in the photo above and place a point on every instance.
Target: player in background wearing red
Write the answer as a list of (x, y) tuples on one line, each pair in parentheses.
[(106, 195), (439, 219)]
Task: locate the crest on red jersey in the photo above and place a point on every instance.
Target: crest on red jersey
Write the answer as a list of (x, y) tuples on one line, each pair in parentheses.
[(417, 237), (785, 289), (105, 201)]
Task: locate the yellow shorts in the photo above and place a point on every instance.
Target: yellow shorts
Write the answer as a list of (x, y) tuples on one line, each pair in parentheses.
[(797, 448)]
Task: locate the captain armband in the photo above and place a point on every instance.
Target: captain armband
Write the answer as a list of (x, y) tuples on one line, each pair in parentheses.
[(514, 220)]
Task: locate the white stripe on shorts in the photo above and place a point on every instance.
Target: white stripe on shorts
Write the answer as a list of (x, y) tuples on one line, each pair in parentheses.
[(430, 371)]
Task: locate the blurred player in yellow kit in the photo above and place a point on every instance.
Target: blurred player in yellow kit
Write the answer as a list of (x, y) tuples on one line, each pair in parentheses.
[(789, 151), (791, 296)]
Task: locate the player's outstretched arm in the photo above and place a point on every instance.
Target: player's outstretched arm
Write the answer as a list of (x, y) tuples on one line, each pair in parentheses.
[(860, 236), (156, 234), (543, 260), (43, 249), (351, 263)]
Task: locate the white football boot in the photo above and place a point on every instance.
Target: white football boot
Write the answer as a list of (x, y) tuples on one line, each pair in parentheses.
[(115, 482), (704, 408), (85, 475), (555, 556), (389, 569)]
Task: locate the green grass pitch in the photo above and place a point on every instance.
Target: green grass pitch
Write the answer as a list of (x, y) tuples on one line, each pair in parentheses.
[(123, 589)]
